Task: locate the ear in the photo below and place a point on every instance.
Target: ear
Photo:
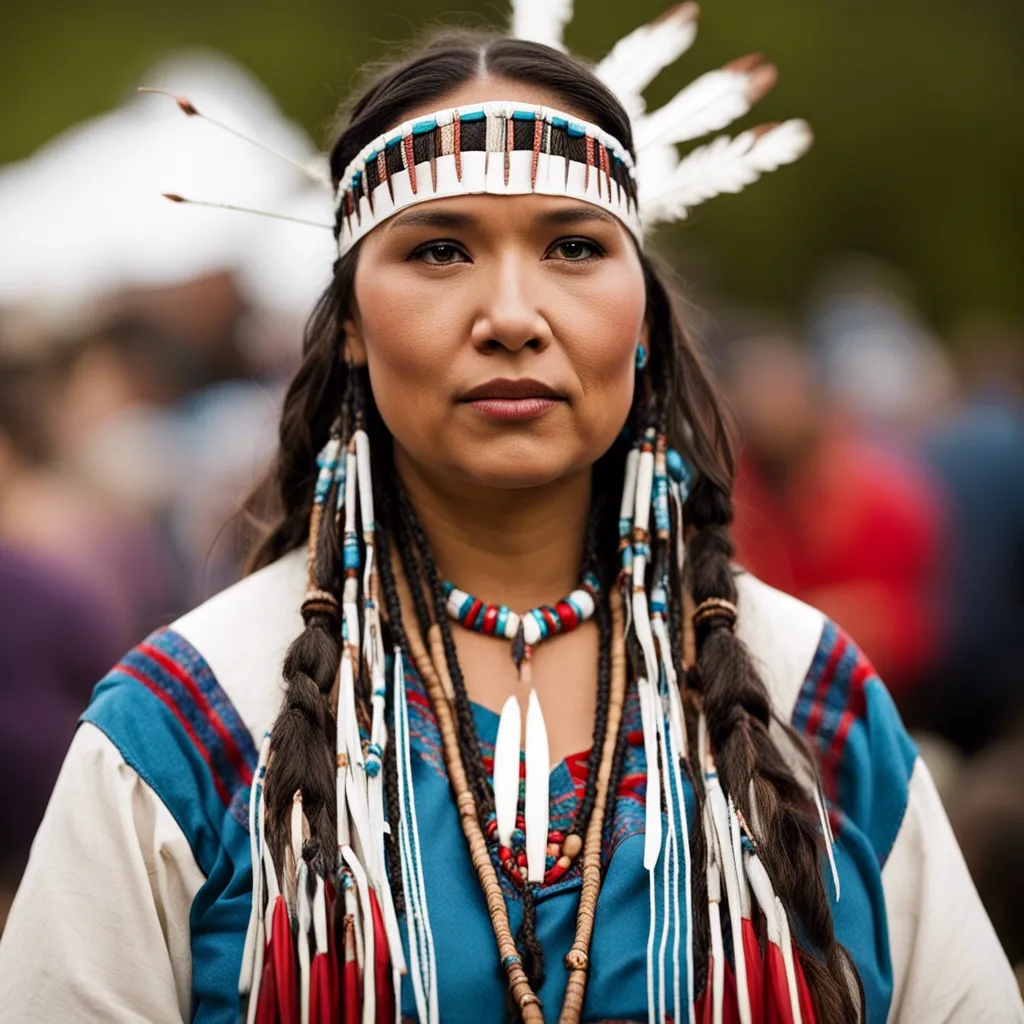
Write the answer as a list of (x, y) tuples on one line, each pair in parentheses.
[(352, 340)]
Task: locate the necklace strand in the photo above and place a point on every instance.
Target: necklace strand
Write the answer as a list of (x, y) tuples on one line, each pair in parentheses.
[(527, 849), (577, 959)]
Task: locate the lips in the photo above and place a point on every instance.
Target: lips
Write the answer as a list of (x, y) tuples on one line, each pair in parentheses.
[(505, 399), (508, 389)]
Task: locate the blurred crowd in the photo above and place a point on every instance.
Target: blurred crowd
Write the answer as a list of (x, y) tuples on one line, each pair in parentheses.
[(145, 346)]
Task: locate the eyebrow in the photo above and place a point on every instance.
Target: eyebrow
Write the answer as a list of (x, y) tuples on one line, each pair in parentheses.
[(451, 219)]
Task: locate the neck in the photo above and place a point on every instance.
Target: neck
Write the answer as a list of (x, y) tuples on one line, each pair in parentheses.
[(520, 548)]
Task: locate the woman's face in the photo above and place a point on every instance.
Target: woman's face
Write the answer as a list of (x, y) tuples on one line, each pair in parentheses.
[(500, 331)]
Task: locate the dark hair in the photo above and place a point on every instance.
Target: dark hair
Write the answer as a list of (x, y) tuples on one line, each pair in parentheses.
[(675, 395)]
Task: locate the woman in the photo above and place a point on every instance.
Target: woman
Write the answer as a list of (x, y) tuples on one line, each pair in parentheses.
[(502, 362)]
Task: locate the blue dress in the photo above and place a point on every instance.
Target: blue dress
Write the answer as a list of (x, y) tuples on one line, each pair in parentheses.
[(164, 710)]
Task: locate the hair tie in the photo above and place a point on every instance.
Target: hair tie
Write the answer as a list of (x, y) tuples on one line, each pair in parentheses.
[(715, 608), (320, 602)]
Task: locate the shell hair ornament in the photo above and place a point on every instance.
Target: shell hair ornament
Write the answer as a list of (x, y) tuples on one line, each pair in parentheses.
[(328, 943)]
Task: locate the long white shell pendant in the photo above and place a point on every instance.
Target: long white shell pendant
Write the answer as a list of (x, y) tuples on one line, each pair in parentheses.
[(506, 769), (538, 767)]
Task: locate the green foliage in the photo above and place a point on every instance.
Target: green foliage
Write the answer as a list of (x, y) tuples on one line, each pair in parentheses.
[(916, 106)]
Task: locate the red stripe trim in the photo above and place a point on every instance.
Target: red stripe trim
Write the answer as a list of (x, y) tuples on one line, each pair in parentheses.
[(817, 711), (185, 724), (231, 748), (856, 706)]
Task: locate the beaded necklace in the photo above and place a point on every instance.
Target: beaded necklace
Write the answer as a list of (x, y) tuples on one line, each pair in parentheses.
[(432, 671), (527, 849)]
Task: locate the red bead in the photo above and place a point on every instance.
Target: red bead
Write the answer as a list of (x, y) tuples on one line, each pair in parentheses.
[(490, 619), (521, 860), (556, 837), (474, 610), (504, 854), (492, 826), (567, 614), (552, 876)]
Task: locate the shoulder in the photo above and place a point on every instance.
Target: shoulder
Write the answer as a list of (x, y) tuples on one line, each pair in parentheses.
[(243, 633), (187, 707), (783, 636)]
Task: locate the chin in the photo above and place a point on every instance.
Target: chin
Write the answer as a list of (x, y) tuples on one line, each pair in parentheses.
[(519, 466)]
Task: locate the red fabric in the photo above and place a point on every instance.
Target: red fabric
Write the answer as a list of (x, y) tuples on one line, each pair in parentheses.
[(777, 1008), (381, 966), (704, 1008), (755, 971), (266, 1005), (854, 532), (351, 995), (705, 1005), (730, 997), (282, 953), (322, 1009)]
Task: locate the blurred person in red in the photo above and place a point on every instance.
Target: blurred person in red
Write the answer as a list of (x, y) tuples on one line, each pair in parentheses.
[(829, 517)]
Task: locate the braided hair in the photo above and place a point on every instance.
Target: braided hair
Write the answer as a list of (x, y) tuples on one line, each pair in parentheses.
[(676, 398)]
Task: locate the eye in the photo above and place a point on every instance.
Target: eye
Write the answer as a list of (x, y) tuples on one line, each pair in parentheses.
[(578, 250), (438, 254)]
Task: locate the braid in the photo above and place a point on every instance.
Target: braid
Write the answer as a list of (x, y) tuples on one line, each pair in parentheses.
[(604, 673), (302, 738), (464, 714), (738, 711), (393, 606)]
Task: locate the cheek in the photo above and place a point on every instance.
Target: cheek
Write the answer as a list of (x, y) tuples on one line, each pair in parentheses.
[(409, 348), (603, 352)]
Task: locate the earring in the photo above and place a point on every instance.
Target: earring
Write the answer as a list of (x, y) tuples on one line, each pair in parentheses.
[(641, 357)]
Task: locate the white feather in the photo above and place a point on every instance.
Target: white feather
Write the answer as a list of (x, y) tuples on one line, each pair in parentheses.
[(541, 21), (538, 768), (635, 60), (826, 831), (506, 769), (652, 801), (725, 165), (707, 104), (304, 915), (369, 961)]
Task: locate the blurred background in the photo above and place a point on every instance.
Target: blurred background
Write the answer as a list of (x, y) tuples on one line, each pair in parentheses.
[(864, 308)]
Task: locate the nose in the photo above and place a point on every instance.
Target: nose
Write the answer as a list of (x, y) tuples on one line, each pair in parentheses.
[(509, 316)]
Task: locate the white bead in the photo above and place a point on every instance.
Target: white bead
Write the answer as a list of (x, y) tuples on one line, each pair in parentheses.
[(584, 601), (645, 478), (531, 630), (512, 625), (455, 599)]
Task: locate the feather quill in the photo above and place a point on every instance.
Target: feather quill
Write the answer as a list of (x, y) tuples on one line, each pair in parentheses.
[(506, 769), (636, 59), (538, 768), (725, 165), (707, 104), (541, 21)]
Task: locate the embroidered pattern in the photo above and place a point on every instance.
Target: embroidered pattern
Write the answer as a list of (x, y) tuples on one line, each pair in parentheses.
[(831, 700), (170, 668)]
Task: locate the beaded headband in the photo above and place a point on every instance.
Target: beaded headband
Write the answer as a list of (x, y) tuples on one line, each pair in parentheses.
[(513, 148), (500, 148)]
